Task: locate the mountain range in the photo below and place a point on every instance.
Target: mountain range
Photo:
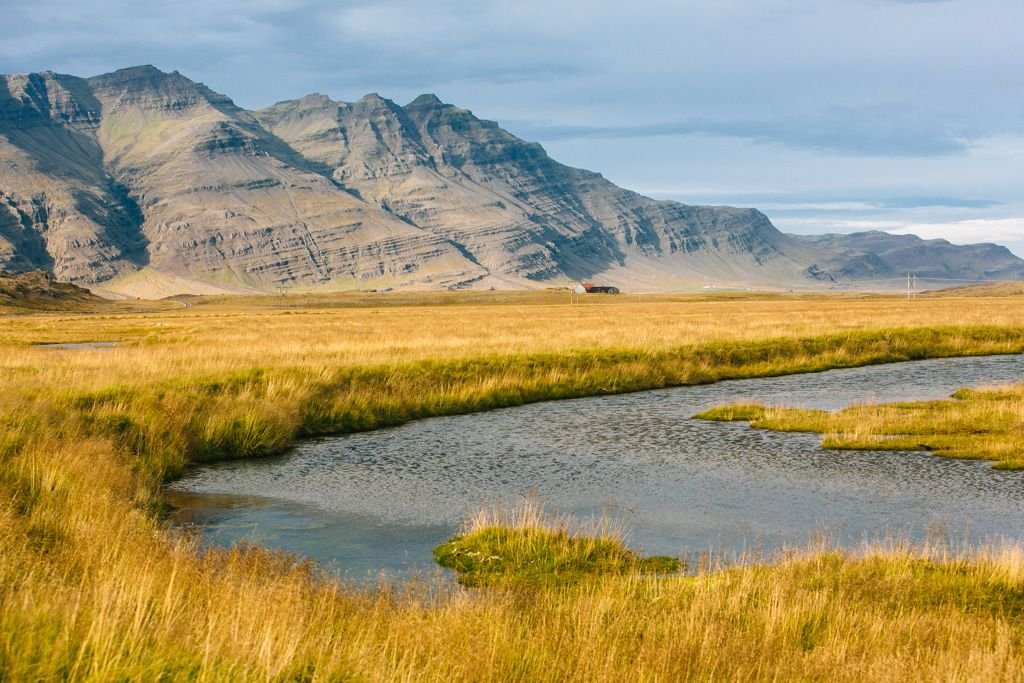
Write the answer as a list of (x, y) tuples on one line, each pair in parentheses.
[(146, 183)]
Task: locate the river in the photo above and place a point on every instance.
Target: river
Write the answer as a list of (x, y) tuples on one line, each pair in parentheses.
[(379, 501)]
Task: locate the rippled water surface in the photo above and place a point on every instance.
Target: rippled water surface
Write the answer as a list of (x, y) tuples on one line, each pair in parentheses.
[(381, 500)]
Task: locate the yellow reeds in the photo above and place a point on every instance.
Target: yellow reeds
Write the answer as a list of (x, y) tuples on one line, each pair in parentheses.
[(94, 587)]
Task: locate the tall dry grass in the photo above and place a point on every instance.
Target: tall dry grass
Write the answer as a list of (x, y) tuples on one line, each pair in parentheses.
[(92, 587)]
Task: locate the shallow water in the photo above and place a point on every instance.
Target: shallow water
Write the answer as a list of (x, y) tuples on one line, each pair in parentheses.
[(71, 346), (379, 501)]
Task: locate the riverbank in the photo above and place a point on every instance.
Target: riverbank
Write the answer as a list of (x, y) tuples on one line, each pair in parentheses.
[(94, 588)]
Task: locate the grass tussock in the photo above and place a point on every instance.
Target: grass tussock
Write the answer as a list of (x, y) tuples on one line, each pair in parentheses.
[(93, 587), (526, 547), (976, 424)]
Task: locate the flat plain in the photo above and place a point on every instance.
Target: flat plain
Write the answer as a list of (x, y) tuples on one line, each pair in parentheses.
[(93, 585)]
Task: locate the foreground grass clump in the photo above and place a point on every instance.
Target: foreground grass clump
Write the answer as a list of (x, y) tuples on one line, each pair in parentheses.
[(525, 547), (976, 424), (93, 587)]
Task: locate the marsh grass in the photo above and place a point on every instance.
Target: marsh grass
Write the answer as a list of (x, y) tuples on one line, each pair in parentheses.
[(525, 546), (976, 424), (93, 587)]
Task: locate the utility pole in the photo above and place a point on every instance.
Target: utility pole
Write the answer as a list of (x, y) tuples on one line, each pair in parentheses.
[(911, 286)]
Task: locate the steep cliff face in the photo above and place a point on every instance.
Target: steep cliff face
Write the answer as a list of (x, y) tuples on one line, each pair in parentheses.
[(513, 209), (140, 168), (375, 148), (148, 183), (225, 200), (60, 210)]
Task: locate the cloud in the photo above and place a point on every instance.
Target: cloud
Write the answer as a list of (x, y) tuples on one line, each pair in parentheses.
[(830, 202), (874, 131), (775, 59), (999, 231), (931, 202), (865, 204), (917, 105)]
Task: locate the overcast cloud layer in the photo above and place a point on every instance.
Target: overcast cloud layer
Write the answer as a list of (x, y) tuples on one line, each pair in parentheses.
[(829, 115)]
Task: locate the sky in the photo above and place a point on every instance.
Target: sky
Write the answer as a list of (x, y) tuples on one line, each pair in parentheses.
[(828, 115)]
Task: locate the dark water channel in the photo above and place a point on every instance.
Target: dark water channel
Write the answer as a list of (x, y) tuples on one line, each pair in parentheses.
[(379, 501)]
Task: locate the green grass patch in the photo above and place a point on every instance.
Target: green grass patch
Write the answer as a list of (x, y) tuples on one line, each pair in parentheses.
[(526, 548), (736, 412), (974, 424)]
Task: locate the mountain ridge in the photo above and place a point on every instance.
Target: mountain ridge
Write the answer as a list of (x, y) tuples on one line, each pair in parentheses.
[(874, 253), (148, 183)]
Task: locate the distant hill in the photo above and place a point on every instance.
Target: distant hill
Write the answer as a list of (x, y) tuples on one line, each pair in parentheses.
[(40, 291), (1014, 288), (881, 255), (149, 184)]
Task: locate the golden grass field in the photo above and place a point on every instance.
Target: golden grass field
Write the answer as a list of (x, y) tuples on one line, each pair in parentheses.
[(94, 587)]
